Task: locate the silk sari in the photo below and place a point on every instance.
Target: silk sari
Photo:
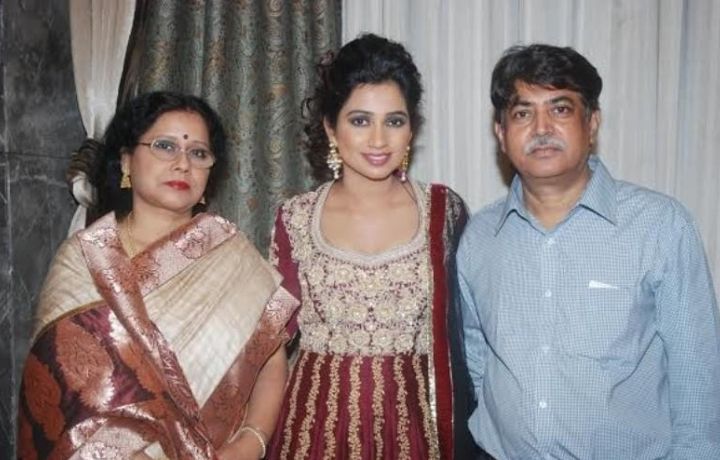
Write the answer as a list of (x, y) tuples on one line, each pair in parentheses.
[(156, 354)]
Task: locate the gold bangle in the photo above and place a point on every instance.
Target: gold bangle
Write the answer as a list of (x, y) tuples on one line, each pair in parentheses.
[(259, 435)]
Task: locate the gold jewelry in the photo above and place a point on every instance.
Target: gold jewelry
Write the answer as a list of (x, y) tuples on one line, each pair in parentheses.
[(404, 165), (258, 434), (334, 161), (129, 236), (125, 182)]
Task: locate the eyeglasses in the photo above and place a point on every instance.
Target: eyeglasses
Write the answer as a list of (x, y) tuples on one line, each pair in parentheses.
[(168, 150)]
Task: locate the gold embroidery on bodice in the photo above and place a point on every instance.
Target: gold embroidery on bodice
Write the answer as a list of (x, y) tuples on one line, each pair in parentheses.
[(356, 303)]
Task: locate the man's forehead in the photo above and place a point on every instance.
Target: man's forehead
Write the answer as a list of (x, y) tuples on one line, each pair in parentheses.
[(542, 94)]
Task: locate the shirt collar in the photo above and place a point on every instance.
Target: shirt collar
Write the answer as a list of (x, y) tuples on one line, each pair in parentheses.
[(513, 203), (598, 197)]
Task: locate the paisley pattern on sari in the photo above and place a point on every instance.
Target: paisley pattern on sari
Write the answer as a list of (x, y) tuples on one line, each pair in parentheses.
[(155, 354)]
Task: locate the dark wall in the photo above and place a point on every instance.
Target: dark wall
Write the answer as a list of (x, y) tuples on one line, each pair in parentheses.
[(39, 126)]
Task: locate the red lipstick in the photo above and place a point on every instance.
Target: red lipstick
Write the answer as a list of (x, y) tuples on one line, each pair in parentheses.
[(178, 184)]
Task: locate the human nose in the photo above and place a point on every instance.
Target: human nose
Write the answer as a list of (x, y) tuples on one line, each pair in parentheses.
[(182, 160), (543, 123), (378, 136)]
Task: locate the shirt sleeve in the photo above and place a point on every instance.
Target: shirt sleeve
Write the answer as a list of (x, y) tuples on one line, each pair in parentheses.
[(474, 345), (690, 329)]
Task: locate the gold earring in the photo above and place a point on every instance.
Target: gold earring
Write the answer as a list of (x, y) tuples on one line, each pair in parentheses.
[(125, 182), (334, 161), (405, 165)]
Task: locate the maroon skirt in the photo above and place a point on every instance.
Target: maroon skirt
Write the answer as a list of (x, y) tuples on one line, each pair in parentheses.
[(359, 407)]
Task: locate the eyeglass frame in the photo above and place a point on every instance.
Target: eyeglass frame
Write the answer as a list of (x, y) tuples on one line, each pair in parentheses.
[(184, 150)]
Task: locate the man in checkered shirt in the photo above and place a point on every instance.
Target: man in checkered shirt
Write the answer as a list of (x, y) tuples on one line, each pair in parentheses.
[(590, 322)]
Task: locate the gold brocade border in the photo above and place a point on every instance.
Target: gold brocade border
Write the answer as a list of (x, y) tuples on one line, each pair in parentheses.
[(304, 438), (377, 405), (431, 393), (332, 407), (422, 398), (68, 314), (402, 411), (225, 410), (288, 428), (354, 403)]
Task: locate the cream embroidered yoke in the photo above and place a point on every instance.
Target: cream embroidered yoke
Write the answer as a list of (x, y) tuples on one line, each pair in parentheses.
[(355, 303)]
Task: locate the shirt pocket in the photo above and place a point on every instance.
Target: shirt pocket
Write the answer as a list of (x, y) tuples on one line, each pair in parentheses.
[(601, 321)]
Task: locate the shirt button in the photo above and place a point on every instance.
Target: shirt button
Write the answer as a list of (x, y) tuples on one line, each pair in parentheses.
[(545, 349), (550, 241), (542, 404), (548, 293)]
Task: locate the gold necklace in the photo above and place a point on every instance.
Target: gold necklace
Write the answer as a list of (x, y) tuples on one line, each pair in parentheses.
[(129, 236)]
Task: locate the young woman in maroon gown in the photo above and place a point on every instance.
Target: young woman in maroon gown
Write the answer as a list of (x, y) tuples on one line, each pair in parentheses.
[(370, 255)]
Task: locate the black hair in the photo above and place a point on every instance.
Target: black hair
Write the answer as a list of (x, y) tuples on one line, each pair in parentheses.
[(127, 127), (367, 59), (544, 65)]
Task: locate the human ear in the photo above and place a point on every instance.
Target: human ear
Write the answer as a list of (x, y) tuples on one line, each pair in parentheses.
[(595, 119), (500, 135), (125, 157), (329, 130)]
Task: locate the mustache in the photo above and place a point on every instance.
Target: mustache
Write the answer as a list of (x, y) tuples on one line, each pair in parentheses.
[(544, 141)]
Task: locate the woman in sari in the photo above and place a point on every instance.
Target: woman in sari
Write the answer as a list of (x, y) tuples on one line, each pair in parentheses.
[(160, 330), (379, 371)]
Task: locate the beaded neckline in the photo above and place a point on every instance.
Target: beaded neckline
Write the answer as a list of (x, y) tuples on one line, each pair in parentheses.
[(361, 258)]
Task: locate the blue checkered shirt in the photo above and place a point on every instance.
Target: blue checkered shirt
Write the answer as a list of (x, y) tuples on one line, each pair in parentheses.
[(599, 339)]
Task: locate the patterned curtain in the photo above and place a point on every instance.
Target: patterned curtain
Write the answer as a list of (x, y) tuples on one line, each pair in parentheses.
[(254, 62)]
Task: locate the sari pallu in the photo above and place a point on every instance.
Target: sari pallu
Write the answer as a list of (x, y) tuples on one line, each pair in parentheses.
[(156, 354)]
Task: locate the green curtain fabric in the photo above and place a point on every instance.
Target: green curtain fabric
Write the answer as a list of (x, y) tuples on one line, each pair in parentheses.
[(254, 62)]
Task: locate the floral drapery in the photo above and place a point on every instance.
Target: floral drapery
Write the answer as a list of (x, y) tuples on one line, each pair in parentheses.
[(254, 62)]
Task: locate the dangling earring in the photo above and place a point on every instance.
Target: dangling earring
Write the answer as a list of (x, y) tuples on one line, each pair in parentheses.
[(125, 182), (334, 161), (405, 165), (202, 200)]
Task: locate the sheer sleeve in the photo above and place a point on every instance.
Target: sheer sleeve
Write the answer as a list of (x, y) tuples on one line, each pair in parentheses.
[(281, 257)]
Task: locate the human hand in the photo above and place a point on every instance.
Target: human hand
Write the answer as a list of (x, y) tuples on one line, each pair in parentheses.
[(245, 447)]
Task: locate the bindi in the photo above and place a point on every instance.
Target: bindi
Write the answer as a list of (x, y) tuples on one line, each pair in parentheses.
[(185, 136)]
